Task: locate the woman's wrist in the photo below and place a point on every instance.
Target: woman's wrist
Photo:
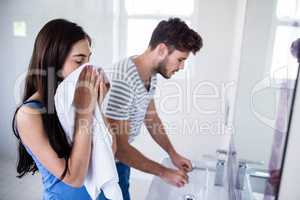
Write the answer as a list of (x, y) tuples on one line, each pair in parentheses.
[(83, 120)]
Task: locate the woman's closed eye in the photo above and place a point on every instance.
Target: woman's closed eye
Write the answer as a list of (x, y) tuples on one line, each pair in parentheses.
[(79, 62)]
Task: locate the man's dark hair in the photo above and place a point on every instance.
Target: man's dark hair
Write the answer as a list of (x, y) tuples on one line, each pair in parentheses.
[(176, 34)]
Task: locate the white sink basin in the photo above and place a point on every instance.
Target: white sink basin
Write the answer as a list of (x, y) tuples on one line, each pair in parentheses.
[(255, 188), (200, 186)]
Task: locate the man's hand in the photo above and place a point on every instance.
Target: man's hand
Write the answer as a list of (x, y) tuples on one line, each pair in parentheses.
[(174, 177), (275, 178), (181, 162)]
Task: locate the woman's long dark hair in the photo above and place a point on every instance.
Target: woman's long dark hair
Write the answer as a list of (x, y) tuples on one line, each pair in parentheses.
[(52, 46)]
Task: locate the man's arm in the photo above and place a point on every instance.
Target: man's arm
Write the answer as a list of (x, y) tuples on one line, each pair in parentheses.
[(156, 129), (158, 133), (129, 155)]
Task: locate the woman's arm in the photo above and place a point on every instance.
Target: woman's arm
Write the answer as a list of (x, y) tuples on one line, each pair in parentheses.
[(33, 135)]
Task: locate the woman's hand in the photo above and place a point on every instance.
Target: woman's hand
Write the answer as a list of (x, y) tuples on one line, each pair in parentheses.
[(86, 94), (104, 85)]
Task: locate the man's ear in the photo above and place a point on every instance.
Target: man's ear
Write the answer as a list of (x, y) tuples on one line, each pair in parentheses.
[(162, 50)]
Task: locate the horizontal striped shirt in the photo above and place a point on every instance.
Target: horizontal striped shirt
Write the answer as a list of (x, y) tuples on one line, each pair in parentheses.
[(128, 99)]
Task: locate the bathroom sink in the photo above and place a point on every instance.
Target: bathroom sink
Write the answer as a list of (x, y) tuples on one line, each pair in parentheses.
[(258, 182), (200, 186), (256, 186)]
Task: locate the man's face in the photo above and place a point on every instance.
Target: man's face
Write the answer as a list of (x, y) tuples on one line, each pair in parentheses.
[(172, 63)]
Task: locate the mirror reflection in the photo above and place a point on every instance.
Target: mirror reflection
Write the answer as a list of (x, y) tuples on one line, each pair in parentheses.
[(265, 89)]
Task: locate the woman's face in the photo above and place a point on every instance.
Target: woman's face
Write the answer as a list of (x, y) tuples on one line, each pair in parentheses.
[(80, 53)]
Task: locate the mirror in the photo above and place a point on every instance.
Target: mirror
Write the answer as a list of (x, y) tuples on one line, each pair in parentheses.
[(264, 94)]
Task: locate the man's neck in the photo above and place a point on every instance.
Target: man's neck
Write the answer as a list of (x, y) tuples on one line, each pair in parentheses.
[(145, 66)]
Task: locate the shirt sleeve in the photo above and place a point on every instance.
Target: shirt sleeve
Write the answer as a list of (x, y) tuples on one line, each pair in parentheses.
[(118, 101)]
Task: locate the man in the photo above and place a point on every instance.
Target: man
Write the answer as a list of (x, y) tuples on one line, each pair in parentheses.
[(130, 102)]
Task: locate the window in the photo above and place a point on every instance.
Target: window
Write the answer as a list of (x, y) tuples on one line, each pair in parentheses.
[(143, 15), (138, 18), (286, 31)]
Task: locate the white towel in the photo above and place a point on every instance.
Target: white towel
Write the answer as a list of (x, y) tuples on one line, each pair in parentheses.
[(102, 173)]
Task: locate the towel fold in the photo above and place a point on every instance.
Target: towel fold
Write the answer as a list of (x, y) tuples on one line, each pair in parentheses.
[(102, 174)]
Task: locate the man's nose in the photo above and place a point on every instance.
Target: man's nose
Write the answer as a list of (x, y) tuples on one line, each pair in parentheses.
[(181, 66)]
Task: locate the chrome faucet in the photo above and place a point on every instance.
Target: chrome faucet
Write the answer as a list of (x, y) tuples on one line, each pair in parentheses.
[(241, 174), (219, 176), (242, 171), (220, 167)]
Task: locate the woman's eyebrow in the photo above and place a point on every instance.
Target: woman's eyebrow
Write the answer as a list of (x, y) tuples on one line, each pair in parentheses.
[(81, 55)]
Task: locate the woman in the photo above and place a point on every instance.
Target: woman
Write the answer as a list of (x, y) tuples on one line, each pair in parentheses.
[(60, 47)]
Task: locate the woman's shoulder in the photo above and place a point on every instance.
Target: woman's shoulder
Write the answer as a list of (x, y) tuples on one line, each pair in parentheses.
[(34, 102), (28, 116), (30, 107)]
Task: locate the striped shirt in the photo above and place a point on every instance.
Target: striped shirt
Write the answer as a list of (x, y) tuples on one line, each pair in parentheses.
[(128, 99)]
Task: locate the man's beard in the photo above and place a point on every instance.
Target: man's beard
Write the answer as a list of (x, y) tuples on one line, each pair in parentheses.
[(162, 69)]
